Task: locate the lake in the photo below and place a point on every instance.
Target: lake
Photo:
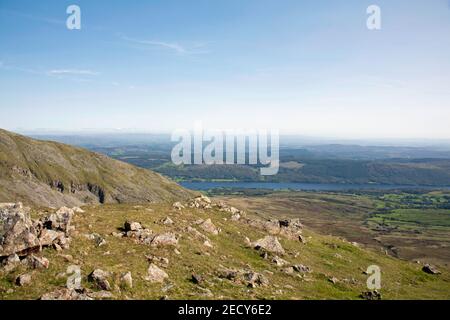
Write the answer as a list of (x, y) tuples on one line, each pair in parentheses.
[(299, 186)]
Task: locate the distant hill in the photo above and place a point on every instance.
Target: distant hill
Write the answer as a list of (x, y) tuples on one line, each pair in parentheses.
[(53, 174)]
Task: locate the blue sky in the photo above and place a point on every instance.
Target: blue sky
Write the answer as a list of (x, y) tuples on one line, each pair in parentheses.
[(307, 67)]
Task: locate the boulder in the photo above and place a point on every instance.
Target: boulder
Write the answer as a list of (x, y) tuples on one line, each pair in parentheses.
[(36, 262), (126, 280), (209, 227), (99, 278), (155, 274), (10, 263), (269, 243), (17, 231), (430, 269), (23, 279), (60, 220), (164, 239), (132, 226)]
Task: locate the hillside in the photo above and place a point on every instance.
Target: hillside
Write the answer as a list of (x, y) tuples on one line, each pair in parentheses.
[(202, 250), (53, 174)]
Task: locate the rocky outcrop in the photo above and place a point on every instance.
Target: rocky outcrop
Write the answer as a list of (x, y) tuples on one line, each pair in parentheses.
[(18, 233)]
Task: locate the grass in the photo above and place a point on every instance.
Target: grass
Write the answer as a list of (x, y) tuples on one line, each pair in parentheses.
[(327, 256)]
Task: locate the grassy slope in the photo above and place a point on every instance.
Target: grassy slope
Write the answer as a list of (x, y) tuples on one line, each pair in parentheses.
[(28, 167), (400, 279)]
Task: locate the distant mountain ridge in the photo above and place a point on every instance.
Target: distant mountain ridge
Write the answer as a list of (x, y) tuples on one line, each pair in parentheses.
[(48, 173)]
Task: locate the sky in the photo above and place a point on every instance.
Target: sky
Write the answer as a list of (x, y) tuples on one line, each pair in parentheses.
[(303, 67)]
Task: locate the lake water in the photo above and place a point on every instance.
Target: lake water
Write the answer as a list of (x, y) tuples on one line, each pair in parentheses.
[(299, 186)]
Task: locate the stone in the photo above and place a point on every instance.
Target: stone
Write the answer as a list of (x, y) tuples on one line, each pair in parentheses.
[(430, 269), (60, 221), (99, 278), (269, 243), (78, 210), (196, 278), (279, 261), (18, 233), (164, 239), (254, 279), (74, 280), (333, 280), (371, 295), (35, 262), (65, 294), (301, 268), (48, 237), (155, 274), (162, 261), (99, 295), (10, 263), (23, 279), (126, 280), (132, 226), (178, 206), (209, 227), (167, 221)]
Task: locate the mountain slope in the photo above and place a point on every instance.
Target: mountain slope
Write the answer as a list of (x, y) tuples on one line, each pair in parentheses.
[(53, 174)]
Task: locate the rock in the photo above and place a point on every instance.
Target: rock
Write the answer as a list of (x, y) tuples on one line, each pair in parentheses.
[(10, 263), (65, 294), (254, 279), (167, 221), (201, 202), (301, 268), (163, 262), (78, 210), (333, 280), (155, 274), (209, 227), (279, 261), (126, 280), (74, 280), (99, 278), (196, 278), (164, 239), (208, 244), (23, 280), (269, 243), (430, 269), (18, 233), (235, 217), (35, 262), (48, 237), (247, 277), (132, 226), (302, 239), (371, 295), (60, 221), (100, 295), (178, 206)]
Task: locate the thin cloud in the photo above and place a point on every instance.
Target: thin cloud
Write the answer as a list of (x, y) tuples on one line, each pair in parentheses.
[(32, 17), (78, 72), (174, 46)]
